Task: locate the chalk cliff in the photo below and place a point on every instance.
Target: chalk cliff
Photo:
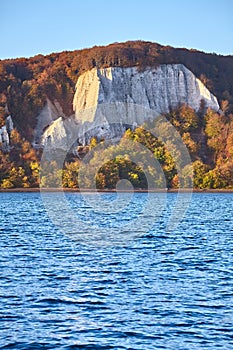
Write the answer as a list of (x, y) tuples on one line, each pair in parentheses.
[(125, 90), (158, 89), (5, 131), (50, 113)]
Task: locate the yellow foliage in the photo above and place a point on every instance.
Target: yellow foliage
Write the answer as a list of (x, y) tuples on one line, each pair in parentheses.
[(6, 183)]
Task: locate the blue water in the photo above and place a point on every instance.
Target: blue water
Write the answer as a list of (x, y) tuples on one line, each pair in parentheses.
[(157, 290)]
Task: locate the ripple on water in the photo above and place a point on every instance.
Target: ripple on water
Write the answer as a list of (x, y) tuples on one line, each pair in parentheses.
[(159, 291)]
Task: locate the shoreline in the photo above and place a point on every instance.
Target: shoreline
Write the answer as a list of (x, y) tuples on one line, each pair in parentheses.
[(173, 190)]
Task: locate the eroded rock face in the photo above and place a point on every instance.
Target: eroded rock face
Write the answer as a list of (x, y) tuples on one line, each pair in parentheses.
[(108, 101), (50, 113), (5, 132), (159, 89)]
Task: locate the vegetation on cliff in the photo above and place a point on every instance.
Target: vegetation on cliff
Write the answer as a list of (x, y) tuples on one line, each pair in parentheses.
[(208, 138), (25, 84)]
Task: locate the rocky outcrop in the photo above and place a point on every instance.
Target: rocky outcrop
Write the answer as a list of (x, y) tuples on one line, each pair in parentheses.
[(107, 101), (50, 113), (5, 132), (159, 89)]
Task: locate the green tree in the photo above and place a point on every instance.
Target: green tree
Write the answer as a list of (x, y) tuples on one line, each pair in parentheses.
[(200, 170)]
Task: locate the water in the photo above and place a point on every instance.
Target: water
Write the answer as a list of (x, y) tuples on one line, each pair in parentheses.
[(158, 290)]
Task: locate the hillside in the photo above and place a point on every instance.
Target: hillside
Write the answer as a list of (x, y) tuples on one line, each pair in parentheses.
[(41, 92), (26, 83)]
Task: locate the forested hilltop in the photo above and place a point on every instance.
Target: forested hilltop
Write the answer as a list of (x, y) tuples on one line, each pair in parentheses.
[(26, 83)]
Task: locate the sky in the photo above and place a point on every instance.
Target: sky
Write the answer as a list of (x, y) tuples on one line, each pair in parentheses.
[(31, 27)]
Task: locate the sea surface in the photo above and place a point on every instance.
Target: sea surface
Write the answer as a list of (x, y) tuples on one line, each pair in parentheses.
[(154, 288)]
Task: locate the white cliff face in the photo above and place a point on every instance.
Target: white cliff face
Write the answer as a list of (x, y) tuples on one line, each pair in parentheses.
[(158, 89), (49, 113), (107, 101), (5, 131), (4, 136), (61, 134)]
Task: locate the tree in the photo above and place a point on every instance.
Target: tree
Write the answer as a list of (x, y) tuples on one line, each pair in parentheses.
[(17, 178), (70, 174), (50, 175), (6, 183), (34, 175), (216, 131), (190, 143), (200, 170)]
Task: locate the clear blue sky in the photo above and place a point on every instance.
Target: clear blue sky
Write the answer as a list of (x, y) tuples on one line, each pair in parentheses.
[(30, 27)]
